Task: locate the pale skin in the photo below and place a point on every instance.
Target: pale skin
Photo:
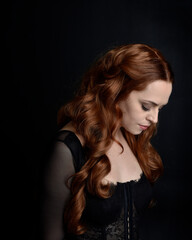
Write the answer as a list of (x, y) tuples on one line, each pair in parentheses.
[(140, 110)]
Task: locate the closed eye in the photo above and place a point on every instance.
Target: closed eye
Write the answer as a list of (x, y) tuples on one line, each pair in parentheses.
[(145, 108)]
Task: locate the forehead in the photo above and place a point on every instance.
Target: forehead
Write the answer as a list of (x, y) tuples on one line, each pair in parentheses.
[(158, 91)]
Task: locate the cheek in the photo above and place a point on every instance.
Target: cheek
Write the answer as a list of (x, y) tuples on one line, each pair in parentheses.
[(134, 114)]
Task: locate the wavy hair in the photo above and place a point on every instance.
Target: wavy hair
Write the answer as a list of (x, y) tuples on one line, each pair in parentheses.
[(96, 116)]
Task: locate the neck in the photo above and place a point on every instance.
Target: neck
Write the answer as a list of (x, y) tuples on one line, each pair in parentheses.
[(119, 135)]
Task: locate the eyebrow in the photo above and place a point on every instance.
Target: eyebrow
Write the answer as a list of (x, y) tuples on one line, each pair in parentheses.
[(153, 103)]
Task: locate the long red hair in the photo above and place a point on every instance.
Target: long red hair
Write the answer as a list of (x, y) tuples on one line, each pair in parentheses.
[(95, 115)]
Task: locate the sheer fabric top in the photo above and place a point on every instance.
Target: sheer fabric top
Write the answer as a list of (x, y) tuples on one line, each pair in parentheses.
[(114, 218)]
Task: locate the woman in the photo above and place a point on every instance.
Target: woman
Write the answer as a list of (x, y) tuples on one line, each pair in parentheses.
[(103, 148)]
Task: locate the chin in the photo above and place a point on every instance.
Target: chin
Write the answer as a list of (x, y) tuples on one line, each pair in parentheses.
[(134, 132)]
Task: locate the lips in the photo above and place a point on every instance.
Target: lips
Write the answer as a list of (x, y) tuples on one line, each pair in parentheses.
[(143, 127)]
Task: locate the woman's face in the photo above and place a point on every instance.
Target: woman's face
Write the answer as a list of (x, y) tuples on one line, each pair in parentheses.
[(141, 108)]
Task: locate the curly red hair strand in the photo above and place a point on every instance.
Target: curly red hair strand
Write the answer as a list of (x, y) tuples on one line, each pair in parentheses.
[(95, 115)]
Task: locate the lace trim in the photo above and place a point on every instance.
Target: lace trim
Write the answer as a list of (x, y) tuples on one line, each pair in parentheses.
[(131, 181), (113, 231)]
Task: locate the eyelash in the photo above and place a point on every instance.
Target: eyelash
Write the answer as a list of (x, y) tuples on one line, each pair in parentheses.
[(148, 109), (144, 108)]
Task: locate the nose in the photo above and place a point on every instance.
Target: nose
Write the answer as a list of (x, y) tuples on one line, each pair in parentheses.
[(153, 116)]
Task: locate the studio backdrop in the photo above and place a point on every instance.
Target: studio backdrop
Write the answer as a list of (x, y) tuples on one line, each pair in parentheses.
[(49, 45)]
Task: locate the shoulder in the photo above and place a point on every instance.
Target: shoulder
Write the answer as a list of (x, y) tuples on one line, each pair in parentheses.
[(70, 129), (59, 151), (67, 145)]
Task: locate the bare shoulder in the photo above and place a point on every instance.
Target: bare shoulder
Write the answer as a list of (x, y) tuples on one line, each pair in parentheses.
[(70, 127)]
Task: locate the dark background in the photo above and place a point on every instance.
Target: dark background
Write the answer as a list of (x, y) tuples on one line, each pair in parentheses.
[(49, 45)]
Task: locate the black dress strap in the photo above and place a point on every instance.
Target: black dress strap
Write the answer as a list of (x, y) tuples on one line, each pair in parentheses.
[(73, 143)]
